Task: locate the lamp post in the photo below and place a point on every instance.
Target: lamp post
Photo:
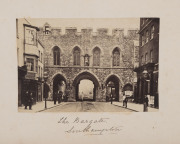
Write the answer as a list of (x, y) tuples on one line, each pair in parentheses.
[(111, 85), (147, 80), (45, 88)]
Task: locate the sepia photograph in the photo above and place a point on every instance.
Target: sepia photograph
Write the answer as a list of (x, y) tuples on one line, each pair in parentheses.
[(88, 64)]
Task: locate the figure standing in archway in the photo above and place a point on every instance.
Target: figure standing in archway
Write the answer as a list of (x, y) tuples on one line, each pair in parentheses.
[(146, 103), (55, 97), (59, 96)]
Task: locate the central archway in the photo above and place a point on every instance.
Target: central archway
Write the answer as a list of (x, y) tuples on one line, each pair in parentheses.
[(88, 77), (86, 90)]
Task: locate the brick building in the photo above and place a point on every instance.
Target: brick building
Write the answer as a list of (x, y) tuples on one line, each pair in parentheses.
[(148, 61), (97, 56)]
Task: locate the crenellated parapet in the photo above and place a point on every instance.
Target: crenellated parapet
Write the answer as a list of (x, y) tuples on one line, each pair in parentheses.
[(47, 30)]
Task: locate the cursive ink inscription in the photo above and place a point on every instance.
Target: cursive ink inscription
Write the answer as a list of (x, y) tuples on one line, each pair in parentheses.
[(94, 131), (89, 126), (101, 120), (63, 120)]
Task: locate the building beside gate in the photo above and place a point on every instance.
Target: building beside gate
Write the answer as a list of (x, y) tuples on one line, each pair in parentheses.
[(40, 71), (148, 61), (30, 60), (100, 57)]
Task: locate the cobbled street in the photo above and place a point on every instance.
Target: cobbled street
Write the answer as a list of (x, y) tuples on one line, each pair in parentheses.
[(87, 106)]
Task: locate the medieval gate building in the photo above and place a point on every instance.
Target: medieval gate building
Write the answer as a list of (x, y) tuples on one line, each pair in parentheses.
[(99, 57)]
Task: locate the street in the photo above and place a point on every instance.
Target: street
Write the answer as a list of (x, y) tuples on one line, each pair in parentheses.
[(87, 106)]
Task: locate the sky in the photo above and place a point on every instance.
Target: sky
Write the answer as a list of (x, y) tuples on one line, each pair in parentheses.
[(79, 23)]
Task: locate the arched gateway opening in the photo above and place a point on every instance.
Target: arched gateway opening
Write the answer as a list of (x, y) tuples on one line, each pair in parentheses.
[(59, 84), (114, 80), (85, 87), (128, 90), (86, 90)]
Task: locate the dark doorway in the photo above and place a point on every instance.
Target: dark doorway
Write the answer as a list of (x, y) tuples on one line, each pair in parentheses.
[(115, 89), (59, 84)]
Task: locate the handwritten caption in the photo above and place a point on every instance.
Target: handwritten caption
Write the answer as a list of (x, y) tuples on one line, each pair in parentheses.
[(98, 126)]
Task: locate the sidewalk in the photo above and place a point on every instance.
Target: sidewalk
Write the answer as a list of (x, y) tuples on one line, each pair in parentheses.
[(38, 107), (135, 107)]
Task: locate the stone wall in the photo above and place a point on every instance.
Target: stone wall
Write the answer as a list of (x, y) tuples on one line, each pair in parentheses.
[(87, 40)]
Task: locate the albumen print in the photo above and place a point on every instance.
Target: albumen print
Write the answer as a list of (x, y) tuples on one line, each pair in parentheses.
[(88, 65)]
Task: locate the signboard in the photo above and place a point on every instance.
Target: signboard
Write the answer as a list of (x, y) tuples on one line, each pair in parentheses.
[(128, 93), (30, 75), (135, 80)]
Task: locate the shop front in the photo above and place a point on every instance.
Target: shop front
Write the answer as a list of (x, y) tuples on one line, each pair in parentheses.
[(147, 84)]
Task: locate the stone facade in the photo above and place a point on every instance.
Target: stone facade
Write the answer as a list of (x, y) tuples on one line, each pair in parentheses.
[(86, 41)]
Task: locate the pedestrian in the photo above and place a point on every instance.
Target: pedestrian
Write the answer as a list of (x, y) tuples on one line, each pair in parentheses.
[(124, 97), (146, 100), (46, 91), (59, 96), (111, 98), (55, 97), (30, 100), (26, 99), (62, 97), (126, 100)]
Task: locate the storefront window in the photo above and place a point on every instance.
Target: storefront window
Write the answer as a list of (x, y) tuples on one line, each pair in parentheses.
[(30, 64)]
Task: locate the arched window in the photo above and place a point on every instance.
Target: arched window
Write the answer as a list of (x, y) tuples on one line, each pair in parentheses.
[(152, 32), (96, 57), (76, 54), (56, 55), (116, 57)]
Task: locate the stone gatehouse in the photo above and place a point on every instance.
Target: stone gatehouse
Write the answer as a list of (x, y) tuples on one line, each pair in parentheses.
[(97, 56)]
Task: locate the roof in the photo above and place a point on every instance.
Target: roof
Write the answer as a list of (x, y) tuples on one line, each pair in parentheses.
[(32, 26), (41, 43)]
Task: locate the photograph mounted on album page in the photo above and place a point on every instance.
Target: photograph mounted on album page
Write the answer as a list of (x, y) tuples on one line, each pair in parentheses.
[(79, 65), (93, 72)]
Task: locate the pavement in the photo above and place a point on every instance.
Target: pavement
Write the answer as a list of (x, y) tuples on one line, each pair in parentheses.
[(39, 106), (135, 107), (85, 107)]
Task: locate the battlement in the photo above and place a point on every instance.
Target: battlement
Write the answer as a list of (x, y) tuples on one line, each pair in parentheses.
[(89, 31), (71, 30)]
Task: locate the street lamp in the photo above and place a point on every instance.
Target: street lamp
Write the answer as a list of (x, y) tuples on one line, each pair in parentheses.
[(111, 84), (45, 88), (145, 74)]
